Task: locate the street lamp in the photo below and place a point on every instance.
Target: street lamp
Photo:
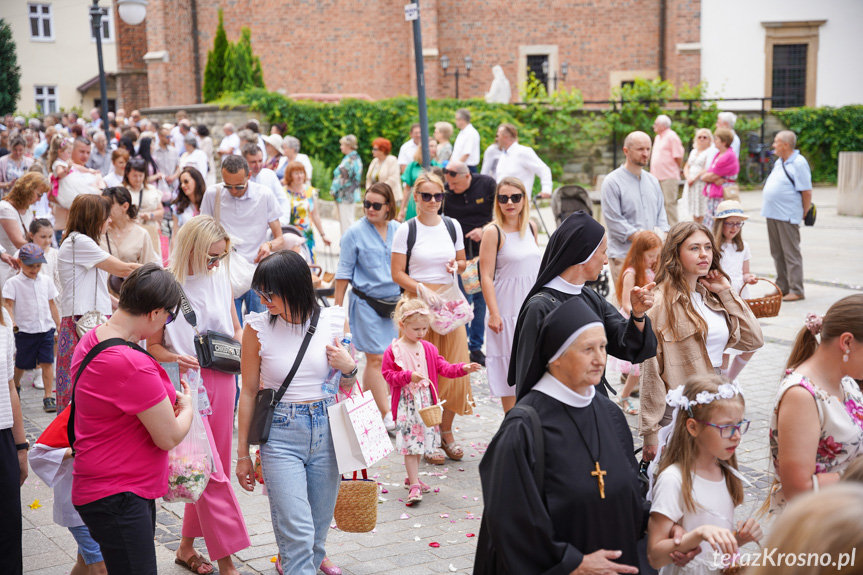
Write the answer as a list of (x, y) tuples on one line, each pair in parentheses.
[(564, 69), (132, 12), (444, 64)]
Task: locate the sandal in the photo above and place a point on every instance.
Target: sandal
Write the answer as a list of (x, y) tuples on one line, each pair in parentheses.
[(279, 564), (426, 488), (453, 450), (415, 495), (435, 459), (49, 405), (194, 563), (626, 406)]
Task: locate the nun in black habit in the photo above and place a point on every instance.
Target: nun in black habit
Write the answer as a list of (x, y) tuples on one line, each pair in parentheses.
[(576, 502), (575, 254)]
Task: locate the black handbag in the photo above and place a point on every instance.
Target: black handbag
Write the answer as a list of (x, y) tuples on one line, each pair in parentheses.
[(214, 350), (809, 218), (384, 308), (267, 399)]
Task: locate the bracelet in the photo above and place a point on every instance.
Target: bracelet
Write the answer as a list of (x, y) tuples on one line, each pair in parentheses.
[(249, 457), (351, 374), (638, 319)]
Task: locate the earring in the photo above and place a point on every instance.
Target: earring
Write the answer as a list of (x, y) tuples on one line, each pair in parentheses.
[(846, 356)]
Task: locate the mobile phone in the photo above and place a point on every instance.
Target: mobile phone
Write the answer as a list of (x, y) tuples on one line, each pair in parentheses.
[(172, 368)]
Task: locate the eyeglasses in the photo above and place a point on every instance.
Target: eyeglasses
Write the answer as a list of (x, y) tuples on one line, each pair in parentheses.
[(733, 225), (429, 197), (727, 431), (239, 187), (211, 260), (376, 149), (451, 173), (376, 206), (514, 198), (267, 295)]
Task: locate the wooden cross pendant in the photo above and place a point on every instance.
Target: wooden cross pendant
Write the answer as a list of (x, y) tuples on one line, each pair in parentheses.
[(600, 479)]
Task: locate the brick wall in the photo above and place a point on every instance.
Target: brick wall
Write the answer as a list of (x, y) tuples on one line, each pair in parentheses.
[(132, 85)]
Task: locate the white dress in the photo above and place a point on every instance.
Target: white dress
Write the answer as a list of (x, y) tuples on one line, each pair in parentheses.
[(697, 201), (517, 267), (732, 264)]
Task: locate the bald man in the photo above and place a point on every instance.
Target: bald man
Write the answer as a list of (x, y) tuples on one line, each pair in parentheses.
[(632, 201)]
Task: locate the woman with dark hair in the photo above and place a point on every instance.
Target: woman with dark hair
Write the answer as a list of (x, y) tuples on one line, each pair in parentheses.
[(190, 194), (146, 198), (145, 153), (131, 424), (83, 268), (298, 460), (696, 317), (124, 238), (127, 144)]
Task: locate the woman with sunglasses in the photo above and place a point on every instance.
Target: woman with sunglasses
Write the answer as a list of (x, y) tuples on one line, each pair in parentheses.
[(199, 266), (147, 199), (414, 169), (435, 257), (84, 267), (699, 159), (509, 263), (127, 417), (364, 256)]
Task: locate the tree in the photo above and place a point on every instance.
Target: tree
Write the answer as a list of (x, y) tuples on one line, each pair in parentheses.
[(242, 67), (10, 71), (214, 72)]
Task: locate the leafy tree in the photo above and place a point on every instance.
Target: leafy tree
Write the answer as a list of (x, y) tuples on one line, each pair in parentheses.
[(214, 72), (10, 71)]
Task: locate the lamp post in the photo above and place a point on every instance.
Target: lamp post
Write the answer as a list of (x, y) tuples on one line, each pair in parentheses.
[(444, 64), (564, 69), (132, 12)]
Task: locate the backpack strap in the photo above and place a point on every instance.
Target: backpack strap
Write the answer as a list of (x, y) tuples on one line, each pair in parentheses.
[(412, 239), (450, 227), (539, 444)]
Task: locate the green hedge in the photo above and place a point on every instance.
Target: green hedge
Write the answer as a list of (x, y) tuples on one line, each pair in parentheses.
[(824, 132)]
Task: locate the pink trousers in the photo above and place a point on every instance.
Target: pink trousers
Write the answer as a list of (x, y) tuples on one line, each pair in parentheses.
[(217, 516)]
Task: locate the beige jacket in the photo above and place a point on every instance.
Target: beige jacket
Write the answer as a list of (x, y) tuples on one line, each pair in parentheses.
[(387, 172), (679, 358)]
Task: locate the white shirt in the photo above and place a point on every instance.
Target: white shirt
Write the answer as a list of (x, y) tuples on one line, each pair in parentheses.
[(211, 299), (247, 218), (7, 369), (717, 329), (406, 152), (521, 162), (90, 283), (467, 142), (431, 252), (490, 160), (74, 184), (197, 159), (732, 263), (56, 472), (231, 143), (268, 179), (32, 298), (112, 180), (8, 212)]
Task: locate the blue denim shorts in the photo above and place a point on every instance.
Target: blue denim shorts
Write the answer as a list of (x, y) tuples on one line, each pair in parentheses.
[(87, 548)]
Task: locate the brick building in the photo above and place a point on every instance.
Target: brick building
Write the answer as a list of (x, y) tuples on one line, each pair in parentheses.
[(347, 47)]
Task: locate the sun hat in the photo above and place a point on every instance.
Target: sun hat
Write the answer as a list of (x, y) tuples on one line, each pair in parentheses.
[(730, 208), (274, 140)]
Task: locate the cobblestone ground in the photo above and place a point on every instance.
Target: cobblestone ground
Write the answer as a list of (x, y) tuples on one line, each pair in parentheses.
[(401, 542)]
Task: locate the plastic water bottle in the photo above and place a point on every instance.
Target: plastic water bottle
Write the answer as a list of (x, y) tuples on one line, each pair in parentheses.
[(346, 343)]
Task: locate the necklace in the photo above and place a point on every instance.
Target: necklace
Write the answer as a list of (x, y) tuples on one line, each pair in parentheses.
[(597, 472)]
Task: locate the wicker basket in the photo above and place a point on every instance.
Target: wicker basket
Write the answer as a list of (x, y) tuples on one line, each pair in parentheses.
[(433, 414), (357, 505), (766, 306)]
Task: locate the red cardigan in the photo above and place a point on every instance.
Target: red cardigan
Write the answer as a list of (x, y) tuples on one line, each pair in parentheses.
[(397, 378)]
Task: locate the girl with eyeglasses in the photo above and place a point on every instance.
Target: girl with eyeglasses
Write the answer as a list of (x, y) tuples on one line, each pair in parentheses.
[(434, 258), (199, 264), (699, 159), (509, 260)]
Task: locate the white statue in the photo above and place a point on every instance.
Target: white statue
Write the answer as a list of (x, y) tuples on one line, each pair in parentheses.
[(500, 92)]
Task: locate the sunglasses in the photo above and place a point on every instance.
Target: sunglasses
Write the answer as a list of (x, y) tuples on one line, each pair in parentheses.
[(514, 198), (733, 225), (239, 187), (376, 206), (451, 173), (172, 315), (431, 197), (211, 260), (727, 431), (267, 295)]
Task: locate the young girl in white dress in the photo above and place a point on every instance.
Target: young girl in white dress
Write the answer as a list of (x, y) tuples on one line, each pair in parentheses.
[(728, 231), (697, 484)]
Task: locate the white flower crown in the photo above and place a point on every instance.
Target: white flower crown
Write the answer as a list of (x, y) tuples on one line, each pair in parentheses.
[(675, 397)]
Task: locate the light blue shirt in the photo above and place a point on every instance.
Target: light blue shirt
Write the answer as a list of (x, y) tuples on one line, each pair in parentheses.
[(781, 200), (631, 204), (364, 259)]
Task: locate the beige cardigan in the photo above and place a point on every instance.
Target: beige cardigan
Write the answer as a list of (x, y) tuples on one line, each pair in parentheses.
[(387, 172), (679, 358)]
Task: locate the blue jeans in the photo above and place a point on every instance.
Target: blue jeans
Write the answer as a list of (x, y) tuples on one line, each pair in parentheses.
[(302, 478), (476, 328), (87, 548), (253, 304)]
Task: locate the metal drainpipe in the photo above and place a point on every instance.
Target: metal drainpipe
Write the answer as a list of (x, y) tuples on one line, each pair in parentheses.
[(662, 18), (197, 60)]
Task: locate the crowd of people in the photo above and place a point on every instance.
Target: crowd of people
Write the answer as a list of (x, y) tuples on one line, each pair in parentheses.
[(120, 251)]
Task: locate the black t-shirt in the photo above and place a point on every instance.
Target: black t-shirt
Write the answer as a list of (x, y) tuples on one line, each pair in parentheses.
[(472, 209)]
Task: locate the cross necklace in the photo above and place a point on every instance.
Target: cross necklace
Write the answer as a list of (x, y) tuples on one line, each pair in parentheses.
[(597, 472)]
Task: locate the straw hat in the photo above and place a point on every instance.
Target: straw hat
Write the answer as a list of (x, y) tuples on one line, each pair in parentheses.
[(730, 208), (275, 141)]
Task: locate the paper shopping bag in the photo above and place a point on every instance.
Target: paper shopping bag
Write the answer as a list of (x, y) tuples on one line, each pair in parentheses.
[(359, 436)]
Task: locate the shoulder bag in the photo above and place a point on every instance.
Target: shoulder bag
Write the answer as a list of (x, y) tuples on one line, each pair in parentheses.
[(93, 317), (215, 350), (267, 399), (809, 217)]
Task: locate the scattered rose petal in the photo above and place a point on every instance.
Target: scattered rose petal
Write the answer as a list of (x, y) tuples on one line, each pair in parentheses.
[(417, 524), (35, 505), (453, 521), (417, 538), (444, 515), (274, 559), (385, 490), (471, 535), (434, 544), (404, 515), (452, 568), (452, 541), (464, 496), (476, 498), (461, 468), (437, 489)]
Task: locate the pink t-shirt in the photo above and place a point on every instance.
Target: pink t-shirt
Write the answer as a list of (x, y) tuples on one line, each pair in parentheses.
[(667, 149), (114, 452)]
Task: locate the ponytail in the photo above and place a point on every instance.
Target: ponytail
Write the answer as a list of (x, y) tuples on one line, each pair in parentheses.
[(804, 346), (844, 316)]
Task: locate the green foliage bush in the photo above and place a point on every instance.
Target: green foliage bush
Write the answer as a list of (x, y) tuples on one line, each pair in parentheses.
[(214, 72), (824, 132), (10, 71), (231, 67)]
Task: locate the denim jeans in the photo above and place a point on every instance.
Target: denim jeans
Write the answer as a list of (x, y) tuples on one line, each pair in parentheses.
[(87, 548), (253, 304), (302, 478), (476, 328)]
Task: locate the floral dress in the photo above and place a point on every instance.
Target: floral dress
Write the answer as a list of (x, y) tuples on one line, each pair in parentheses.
[(841, 420), (412, 435), (301, 215)]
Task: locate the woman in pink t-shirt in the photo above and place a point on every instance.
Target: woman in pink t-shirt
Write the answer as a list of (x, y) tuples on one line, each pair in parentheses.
[(722, 171), (127, 416)]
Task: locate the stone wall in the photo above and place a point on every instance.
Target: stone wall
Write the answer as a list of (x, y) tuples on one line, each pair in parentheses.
[(211, 116)]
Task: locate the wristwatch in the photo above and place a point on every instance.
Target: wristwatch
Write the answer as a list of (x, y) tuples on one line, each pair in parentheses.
[(353, 372), (25, 446)]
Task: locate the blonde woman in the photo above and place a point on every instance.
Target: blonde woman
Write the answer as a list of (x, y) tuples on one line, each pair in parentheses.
[(200, 265), (509, 260), (442, 135), (699, 159)]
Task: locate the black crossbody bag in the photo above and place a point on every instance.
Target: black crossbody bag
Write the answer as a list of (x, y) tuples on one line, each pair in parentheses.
[(267, 399), (809, 217), (215, 350), (384, 308)]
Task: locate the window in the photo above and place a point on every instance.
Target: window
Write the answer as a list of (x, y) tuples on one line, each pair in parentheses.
[(535, 67), (107, 27), (46, 99), (789, 75), (41, 27)]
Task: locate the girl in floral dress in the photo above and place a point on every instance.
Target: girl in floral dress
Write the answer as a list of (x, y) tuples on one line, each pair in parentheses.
[(813, 442), (411, 367)]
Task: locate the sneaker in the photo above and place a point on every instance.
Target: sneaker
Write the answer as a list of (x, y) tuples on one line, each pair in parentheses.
[(37, 380), (477, 356), (49, 405), (389, 424)]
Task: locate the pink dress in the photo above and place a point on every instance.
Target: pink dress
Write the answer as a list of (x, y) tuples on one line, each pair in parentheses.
[(625, 367)]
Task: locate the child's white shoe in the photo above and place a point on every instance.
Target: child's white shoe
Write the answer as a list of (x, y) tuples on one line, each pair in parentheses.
[(37, 379)]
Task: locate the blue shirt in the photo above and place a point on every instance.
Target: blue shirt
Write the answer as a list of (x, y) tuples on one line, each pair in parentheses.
[(631, 204), (364, 259), (781, 200)]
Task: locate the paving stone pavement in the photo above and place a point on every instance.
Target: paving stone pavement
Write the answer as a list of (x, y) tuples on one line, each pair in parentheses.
[(400, 543)]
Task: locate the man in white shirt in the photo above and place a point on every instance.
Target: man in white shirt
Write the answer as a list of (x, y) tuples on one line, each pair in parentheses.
[(230, 144), (409, 148), (167, 161), (184, 130), (246, 210), (517, 161), (466, 146), (265, 177)]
